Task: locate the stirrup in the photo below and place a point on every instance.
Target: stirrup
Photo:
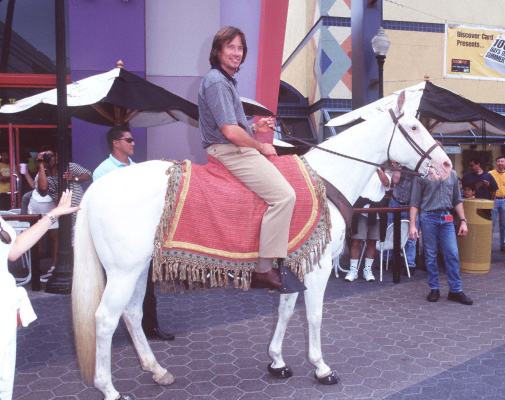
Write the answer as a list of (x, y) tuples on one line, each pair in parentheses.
[(290, 283)]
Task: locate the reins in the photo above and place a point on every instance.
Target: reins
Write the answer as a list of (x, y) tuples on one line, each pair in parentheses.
[(315, 146), (424, 154)]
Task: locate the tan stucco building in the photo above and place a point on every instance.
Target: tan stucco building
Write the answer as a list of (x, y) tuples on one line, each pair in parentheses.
[(318, 59)]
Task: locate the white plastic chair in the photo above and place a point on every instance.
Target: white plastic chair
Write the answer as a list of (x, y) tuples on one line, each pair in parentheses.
[(387, 244), (8, 212), (26, 259)]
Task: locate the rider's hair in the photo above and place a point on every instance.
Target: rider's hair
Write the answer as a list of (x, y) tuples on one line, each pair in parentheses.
[(502, 156), (115, 133), (474, 160), (223, 36)]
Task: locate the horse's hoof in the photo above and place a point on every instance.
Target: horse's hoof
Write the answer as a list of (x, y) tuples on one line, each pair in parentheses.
[(330, 379), (280, 373), (165, 380), (125, 397)]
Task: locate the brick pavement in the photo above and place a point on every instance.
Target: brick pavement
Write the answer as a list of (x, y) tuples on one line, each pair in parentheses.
[(384, 340)]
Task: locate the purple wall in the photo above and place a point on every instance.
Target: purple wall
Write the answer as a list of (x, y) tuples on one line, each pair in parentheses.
[(245, 15), (366, 20), (179, 141), (99, 34)]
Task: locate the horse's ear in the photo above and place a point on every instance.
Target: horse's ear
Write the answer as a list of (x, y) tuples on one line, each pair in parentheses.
[(401, 101)]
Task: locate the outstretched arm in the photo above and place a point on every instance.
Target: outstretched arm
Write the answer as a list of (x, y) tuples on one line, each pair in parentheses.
[(28, 238)]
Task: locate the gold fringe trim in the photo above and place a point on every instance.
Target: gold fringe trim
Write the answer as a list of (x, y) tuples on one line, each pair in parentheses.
[(301, 261), (182, 270), (175, 174)]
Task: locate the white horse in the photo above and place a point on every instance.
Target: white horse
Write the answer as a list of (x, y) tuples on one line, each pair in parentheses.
[(120, 212)]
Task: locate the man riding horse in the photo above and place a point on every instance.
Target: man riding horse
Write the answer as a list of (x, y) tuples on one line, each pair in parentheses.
[(227, 137)]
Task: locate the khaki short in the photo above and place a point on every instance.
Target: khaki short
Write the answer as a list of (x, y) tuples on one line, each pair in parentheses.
[(365, 231)]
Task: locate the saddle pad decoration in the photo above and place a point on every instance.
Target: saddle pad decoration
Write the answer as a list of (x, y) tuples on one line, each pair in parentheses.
[(209, 229)]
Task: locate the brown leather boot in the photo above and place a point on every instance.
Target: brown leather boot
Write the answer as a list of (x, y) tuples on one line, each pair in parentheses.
[(266, 280)]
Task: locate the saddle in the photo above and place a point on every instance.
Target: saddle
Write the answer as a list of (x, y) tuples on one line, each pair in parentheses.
[(209, 231)]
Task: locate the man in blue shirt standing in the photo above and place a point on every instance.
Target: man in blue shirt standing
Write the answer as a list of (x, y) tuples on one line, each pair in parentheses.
[(122, 145), (434, 201)]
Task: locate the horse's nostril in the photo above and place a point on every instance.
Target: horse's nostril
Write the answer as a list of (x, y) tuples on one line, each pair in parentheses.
[(447, 164)]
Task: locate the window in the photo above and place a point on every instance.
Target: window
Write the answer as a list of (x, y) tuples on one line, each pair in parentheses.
[(27, 37)]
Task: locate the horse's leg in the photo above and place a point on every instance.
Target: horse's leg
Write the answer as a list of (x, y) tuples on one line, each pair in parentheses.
[(286, 307), (315, 282), (116, 296), (132, 316)]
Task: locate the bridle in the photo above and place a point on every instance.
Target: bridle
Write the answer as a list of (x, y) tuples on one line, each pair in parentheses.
[(425, 154)]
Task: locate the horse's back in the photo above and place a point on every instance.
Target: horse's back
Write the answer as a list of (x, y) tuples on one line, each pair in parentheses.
[(117, 181), (123, 209)]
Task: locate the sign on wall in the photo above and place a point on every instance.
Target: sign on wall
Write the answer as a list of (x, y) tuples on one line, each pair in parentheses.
[(474, 52)]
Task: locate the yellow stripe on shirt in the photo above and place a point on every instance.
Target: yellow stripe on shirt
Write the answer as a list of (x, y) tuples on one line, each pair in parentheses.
[(499, 177)]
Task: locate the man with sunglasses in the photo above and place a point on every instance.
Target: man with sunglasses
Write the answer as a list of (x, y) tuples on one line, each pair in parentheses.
[(122, 145)]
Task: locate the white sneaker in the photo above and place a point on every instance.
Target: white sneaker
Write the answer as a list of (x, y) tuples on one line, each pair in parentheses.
[(352, 275), (368, 274), (45, 277)]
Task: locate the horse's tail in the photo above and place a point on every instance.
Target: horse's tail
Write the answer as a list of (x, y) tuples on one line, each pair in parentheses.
[(87, 288)]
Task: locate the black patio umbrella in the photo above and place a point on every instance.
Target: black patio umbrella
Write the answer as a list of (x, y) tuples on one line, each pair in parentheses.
[(116, 97), (253, 108), (446, 114)]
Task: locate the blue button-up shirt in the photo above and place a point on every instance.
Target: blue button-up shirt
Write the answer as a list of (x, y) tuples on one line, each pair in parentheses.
[(108, 165)]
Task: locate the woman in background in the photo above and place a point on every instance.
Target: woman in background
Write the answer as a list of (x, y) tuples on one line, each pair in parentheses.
[(15, 307)]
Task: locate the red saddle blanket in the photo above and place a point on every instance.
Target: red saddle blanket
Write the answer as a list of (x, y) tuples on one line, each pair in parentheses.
[(210, 229)]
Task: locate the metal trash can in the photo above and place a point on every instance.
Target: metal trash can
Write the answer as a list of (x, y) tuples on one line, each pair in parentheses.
[(475, 247)]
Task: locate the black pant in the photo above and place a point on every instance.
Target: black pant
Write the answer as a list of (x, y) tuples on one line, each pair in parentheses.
[(150, 317), (5, 201)]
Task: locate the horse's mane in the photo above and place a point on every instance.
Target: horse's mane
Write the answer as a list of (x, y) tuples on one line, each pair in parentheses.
[(352, 134)]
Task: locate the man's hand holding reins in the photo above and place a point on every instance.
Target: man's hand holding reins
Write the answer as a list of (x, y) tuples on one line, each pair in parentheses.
[(265, 125), (239, 137)]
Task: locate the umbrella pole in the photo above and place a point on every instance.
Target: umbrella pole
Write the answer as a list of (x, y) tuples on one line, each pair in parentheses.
[(61, 280)]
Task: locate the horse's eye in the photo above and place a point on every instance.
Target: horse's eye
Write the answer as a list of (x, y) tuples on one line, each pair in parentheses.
[(414, 128)]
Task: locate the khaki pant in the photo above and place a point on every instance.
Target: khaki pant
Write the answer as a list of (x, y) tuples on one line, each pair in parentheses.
[(264, 179)]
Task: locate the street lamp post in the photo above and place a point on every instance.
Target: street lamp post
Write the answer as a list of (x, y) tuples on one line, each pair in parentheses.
[(380, 46), (61, 281)]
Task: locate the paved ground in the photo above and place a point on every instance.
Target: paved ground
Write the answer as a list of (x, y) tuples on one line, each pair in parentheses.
[(384, 340)]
